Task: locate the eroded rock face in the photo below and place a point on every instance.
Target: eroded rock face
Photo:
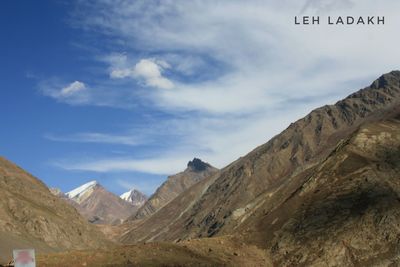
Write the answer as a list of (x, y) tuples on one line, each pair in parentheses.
[(346, 210)]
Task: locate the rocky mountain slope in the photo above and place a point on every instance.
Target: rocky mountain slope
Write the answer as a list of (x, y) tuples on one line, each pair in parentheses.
[(344, 211), (135, 197), (228, 201), (30, 216), (196, 170), (100, 206)]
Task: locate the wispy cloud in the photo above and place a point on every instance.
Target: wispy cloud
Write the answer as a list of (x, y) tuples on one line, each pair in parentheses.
[(72, 89), (216, 140), (325, 6), (163, 165), (264, 57), (72, 93), (129, 139), (107, 93), (239, 72)]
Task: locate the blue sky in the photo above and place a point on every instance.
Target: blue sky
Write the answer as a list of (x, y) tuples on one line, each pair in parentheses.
[(126, 92)]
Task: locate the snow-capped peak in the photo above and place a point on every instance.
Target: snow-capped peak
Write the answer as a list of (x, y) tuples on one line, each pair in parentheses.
[(81, 190), (135, 197), (125, 196)]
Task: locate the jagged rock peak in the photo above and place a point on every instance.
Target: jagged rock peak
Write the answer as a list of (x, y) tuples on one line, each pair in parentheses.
[(385, 83), (198, 165), (391, 78)]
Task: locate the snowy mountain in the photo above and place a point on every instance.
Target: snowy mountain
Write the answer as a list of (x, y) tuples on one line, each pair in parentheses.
[(82, 192), (135, 197), (98, 205)]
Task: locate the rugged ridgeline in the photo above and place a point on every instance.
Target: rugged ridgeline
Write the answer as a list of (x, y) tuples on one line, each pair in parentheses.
[(30, 216), (100, 206), (196, 170), (242, 196)]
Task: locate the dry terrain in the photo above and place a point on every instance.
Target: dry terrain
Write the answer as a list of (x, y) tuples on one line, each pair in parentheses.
[(324, 192)]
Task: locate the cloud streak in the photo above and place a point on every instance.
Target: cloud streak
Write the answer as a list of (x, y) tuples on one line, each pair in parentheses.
[(73, 93), (129, 140), (152, 166)]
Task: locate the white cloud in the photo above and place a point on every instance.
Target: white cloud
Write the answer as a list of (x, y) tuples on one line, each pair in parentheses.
[(216, 140), (73, 93), (149, 70), (72, 88), (128, 139), (263, 56), (263, 71), (153, 165)]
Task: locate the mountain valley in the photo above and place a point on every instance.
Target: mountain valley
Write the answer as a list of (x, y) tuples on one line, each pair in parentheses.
[(324, 192)]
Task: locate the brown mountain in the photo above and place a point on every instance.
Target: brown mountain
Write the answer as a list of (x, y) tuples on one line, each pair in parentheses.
[(319, 185), (175, 184), (100, 206), (30, 216), (344, 211)]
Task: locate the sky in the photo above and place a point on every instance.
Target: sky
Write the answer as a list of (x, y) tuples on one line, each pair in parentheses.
[(127, 92)]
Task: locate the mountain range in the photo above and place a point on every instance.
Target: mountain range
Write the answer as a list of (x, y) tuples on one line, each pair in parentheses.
[(335, 168), (324, 192), (100, 206)]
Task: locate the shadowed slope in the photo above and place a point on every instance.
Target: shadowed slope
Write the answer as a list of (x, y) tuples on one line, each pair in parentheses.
[(344, 211)]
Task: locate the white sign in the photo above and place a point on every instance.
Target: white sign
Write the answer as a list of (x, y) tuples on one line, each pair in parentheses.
[(24, 258)]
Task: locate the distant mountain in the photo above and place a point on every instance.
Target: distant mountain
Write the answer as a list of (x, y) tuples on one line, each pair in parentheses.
[(82, 192), (100, 206), (195, 171), (323, 192), (135, 197), (31, 217)]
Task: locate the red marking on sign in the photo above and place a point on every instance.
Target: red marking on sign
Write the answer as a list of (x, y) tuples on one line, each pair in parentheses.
[(24, 257)]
